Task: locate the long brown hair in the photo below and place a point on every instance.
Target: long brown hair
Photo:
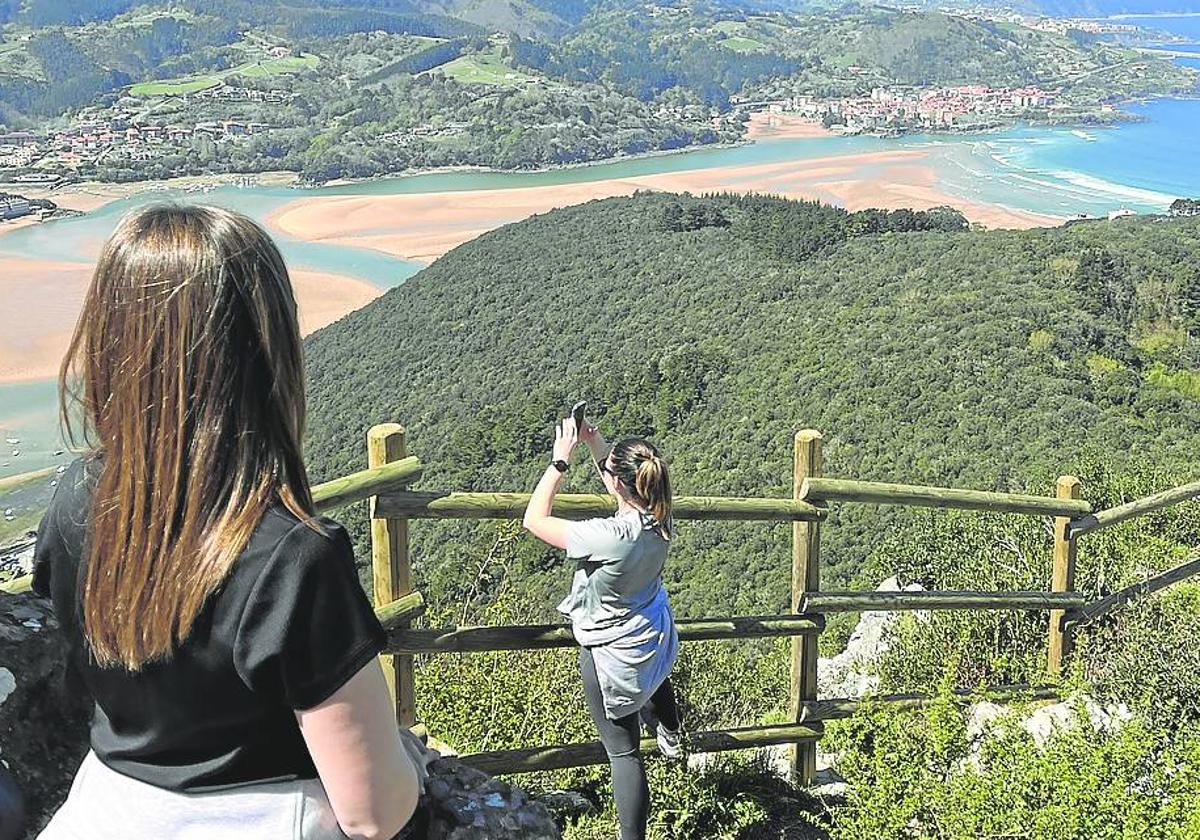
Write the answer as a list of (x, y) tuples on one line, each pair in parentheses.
[(186, 365), (640, 467)]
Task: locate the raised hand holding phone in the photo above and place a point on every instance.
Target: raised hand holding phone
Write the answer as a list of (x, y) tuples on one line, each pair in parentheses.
[(565, 438)]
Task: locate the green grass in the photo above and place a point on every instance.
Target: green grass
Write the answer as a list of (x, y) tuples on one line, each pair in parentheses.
[(250, 69), (730, 27), (174, 87), (742, 45), (482, 69), (277, 66)]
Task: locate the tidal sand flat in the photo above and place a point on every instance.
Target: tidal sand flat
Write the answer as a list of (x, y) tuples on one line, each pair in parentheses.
[(40, 302), (423, 226)]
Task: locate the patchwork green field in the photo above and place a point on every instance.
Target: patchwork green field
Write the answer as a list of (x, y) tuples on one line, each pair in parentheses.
[(483, 69), (251, 69)]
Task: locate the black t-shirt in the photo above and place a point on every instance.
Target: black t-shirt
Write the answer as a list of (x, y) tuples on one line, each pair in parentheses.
[(289, 626)]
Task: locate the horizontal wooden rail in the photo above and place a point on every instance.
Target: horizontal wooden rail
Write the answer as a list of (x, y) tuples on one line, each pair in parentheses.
[(447, 505), (828, 601), (363, 484), (592, 752), (873, 492), (838, 709), (1120, 513), (541, 636), (327, 496), (405, 608), (815, 712), (1102, 607)]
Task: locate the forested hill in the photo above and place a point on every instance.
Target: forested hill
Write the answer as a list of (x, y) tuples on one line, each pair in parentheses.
[(720, 326)]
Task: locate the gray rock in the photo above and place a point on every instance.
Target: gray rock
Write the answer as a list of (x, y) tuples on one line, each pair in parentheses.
[(43, 721), (851, 673)]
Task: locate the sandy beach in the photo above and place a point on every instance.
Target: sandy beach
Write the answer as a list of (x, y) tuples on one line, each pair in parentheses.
[(423, 226), (764, 125)]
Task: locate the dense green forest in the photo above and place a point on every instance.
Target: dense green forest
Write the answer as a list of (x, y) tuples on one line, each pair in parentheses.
[(926, 352), (972, 358)]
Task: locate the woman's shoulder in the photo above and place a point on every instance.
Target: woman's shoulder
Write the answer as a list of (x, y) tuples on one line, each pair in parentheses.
[(68, 508), (282, 535)]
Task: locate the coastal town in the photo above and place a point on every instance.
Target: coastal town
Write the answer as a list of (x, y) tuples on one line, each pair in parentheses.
[(125, 136), (892, 111)]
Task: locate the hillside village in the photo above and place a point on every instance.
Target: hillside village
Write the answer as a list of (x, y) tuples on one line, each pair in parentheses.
[(894, 110)]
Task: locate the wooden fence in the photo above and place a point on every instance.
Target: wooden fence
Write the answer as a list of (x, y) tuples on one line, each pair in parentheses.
[(392, 505)]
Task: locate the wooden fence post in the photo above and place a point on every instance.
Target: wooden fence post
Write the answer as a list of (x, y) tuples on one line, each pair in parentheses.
[(392, 571), (806, 577), (1059, 642)]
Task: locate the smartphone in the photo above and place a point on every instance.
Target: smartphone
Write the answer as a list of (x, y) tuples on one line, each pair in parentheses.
[(577, 413)]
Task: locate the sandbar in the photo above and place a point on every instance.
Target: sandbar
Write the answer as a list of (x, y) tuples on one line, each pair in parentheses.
[(423, 226), (40, 302)]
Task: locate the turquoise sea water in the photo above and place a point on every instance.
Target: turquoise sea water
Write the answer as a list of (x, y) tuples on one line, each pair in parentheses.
[(1065, 172), (1184, 26)]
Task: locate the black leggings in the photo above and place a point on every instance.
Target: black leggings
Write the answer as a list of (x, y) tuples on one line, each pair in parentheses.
[(622, 742)]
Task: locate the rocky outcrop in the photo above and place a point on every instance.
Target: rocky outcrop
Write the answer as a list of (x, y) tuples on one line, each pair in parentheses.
[(43, 724), (465, 804), (43, 738), (851, 673)]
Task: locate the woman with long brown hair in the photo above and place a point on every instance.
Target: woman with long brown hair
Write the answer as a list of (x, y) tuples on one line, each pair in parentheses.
[(217, 623), (618, 606)]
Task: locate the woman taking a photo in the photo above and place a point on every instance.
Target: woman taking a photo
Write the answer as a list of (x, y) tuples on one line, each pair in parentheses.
[(217, 623), (618, 606)]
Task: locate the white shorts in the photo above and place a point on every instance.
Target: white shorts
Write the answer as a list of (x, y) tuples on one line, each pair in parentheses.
[(104, 804)]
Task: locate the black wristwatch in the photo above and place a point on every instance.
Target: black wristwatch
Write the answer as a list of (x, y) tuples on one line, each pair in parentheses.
[(560, 465)]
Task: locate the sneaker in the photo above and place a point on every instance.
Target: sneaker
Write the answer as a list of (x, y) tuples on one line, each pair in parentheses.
[(670, 742)]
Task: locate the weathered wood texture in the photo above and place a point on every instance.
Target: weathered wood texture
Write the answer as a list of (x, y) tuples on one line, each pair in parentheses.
[(1138, 507), (1104, 606), (828, 601), (404, 609), (815, 712), (447, 505), (391, 569), (806, 580), (592, 752), (872, 492), (1058, 641), (541, 636), (386, 478)]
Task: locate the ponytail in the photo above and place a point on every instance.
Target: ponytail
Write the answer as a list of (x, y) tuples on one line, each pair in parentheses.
[(653, 486), (642, 470)]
